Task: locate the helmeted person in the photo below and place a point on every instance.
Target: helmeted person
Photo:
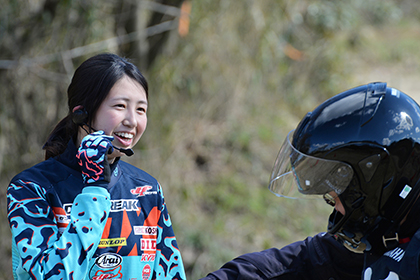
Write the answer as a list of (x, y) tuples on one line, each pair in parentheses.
[(360, 151)]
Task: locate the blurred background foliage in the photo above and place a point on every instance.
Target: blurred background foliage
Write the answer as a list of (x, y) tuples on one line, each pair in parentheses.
[(228, 80)]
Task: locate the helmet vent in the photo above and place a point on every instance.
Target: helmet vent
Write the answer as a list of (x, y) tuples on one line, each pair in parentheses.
[(374, 95), (369, 166)]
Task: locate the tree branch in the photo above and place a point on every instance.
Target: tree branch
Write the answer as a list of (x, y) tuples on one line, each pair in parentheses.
[(88, 49)]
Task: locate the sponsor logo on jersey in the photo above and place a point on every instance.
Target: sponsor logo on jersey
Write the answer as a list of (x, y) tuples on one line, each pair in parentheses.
[(145, 274), (145, 230), (113, 274), (116, 205), (67, 208), (397, 254), (108, 260), (112, 242), (141, 191), (148, 257), (124, 204), (148, 244), (61, 218)]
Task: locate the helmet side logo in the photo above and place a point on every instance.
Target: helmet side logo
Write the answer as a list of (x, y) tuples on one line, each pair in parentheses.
[(405, 191)]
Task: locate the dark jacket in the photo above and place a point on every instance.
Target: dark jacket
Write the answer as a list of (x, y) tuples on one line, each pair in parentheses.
[(323, 258), (318, 257)]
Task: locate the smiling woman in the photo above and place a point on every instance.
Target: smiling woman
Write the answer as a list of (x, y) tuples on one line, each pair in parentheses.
[(83, 213), (122, 114)]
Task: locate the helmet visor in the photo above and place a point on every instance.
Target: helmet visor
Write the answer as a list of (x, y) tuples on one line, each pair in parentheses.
[(295, 173)]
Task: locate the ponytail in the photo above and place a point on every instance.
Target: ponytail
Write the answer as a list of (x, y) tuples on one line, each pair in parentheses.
[(57, 141)]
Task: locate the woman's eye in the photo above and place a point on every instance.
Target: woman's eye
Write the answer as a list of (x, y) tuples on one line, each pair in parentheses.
[(141, 109), (120, 105)]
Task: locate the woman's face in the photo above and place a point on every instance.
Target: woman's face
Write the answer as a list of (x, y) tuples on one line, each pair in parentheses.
[(123, 114)]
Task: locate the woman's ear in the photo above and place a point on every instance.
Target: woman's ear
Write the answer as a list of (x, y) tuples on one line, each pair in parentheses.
[(79, 115)]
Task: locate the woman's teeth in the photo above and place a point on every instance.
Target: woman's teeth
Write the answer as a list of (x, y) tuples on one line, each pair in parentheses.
[(124, 135)]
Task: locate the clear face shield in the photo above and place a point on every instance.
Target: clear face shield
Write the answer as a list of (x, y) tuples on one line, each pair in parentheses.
[(296, 175)]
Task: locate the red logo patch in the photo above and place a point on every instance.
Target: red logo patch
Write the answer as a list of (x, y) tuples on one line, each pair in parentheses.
[(140, 191), (146, 272)]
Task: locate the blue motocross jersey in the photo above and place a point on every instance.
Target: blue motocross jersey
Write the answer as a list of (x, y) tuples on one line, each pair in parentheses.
[(63, 230)]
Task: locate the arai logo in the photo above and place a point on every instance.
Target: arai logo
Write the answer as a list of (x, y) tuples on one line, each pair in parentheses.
[(108, 260)]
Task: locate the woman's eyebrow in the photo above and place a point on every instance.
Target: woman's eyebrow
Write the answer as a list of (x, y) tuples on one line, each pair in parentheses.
[(128, 99)]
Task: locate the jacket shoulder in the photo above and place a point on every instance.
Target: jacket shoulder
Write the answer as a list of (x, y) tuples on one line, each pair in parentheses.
[(137, 174), (49, 171)]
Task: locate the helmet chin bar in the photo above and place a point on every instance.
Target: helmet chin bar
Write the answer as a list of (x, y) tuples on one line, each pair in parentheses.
[(354, 242), (378, 236)]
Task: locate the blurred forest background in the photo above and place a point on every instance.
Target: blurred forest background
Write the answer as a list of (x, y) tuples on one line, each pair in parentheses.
[(228, 80)]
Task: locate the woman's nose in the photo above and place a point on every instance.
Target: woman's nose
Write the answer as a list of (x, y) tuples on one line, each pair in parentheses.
[(130, 119)]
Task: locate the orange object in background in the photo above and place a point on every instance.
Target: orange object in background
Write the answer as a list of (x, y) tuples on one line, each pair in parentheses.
[(184, 19), (293, 53)]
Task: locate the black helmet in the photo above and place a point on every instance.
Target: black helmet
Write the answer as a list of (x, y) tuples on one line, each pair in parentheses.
[(362, 145)]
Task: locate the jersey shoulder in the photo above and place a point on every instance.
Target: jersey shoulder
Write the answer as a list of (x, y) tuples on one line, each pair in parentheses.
[(137, 174)]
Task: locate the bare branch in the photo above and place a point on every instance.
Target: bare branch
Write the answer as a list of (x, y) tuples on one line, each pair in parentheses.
[(161, 8), (88, 49)]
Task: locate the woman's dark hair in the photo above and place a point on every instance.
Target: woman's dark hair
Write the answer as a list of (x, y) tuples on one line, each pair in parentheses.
[(90, 85)]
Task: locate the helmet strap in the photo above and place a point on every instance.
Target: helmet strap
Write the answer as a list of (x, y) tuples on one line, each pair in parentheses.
[(384, 236)]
